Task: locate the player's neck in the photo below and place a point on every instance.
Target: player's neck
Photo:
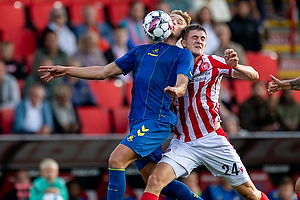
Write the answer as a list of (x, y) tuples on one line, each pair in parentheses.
[(196, 58), (171, 41)]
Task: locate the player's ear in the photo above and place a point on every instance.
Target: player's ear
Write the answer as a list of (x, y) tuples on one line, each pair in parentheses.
[(183, 43)]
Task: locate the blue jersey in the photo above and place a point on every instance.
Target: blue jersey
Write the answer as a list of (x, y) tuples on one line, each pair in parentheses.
[(154, 66)]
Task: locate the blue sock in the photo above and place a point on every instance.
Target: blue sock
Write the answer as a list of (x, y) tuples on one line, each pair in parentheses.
[(117, 184), (177, 190)]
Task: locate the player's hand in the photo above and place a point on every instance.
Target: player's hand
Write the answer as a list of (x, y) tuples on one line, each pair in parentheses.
[(274, 85), (171, 91), (231, 58), (51, 72)]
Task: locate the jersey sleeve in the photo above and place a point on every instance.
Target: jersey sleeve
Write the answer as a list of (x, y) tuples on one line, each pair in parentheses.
[(126, 62), (185, 63), (220, 63)]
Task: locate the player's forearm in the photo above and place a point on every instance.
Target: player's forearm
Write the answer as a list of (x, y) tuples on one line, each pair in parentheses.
[(91, 73), (295, 84), (246, 73)]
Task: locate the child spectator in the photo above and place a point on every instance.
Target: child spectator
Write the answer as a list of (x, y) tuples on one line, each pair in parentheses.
[(49, 184), (18, 69)]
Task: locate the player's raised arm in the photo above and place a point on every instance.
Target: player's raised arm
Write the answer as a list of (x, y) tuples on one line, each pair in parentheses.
[(276, 84), (91, 73), (240, 71), (180, 87)]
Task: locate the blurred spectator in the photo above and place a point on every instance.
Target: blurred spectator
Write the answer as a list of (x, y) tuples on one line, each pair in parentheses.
[(231, 125), (18, 69), (184, 5), (88, 52), (192, 181), (297, 186), (133, 24), (64, 113), (75, 192), (34, 78), (34, 108), (256, 113), (49, 47), (66, 38), (90, 23), (224, 34), (9, 89), (288, 112), (204, 18), (244, 29), (81, 92), (120, 48), (219, 8), (223, 191), (22, 184), (284, 190), (49, 186), (163, 6)]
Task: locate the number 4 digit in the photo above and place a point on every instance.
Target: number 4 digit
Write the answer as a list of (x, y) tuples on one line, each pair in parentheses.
[(235, 169)]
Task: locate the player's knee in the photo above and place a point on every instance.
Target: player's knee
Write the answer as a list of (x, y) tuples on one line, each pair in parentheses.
[(114, 162), (155, 182)]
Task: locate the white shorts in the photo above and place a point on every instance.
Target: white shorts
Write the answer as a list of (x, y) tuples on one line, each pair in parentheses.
[(214, 151)]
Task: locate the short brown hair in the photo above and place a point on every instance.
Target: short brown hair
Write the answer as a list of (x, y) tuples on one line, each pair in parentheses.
[(184, 15), (186, 30)]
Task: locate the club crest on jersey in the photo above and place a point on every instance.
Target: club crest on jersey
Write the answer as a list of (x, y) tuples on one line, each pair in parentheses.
[(155, 50), (204, 66)]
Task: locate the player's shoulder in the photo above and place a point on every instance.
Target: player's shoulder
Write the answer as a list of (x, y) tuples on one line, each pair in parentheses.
[(216, 59)]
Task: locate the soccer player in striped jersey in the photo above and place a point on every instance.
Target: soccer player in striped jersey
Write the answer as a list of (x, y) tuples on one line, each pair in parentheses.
[(199, 138), (160, 71)]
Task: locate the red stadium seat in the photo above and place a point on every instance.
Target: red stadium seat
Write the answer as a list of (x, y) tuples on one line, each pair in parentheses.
[(12, 16), (128, 88), (40, 13), (8, 184), (261, 180), (118, 11), (120, 119), (7, 119), (23, 39), (242, 90), (108, 93), (264, 63), (76, 11), (94, 120)]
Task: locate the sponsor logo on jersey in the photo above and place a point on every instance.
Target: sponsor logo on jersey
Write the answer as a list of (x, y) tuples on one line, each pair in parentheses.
[(130, 138)]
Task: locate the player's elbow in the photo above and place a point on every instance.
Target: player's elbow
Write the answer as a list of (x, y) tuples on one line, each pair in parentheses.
[(254, 76)]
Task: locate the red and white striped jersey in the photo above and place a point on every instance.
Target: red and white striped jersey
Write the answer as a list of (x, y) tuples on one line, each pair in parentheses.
[(199, 107)]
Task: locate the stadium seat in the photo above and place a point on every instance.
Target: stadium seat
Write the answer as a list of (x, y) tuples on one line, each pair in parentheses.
[(264, 63), (120, 119), (12, 16), (128, 88), (23, 39), (242, 90), (7, 119), (40, 13), (75, 10), (117, 12), (8, 184), (94, 120), (261, 180), (107, 93)]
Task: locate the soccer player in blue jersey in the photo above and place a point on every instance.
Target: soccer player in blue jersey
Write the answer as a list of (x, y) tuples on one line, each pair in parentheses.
[(160, 71)]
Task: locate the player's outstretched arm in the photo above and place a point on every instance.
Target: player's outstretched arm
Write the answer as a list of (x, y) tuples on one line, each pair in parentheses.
[(180, 87), (276, 84), (91, 73)]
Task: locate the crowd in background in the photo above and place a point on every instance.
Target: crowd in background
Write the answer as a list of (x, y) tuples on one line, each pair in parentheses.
[(53, 106)]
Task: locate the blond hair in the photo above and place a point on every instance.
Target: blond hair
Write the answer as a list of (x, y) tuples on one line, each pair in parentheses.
[(184, 15), (48, 163)]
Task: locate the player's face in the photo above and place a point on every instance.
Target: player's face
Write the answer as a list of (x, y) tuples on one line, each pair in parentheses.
[(179, 24), (195, 42)]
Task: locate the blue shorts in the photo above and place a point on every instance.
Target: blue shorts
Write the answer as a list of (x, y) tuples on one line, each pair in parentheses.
[(145, 139)]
